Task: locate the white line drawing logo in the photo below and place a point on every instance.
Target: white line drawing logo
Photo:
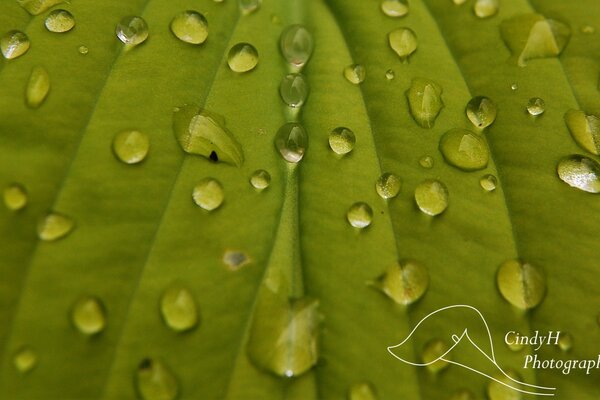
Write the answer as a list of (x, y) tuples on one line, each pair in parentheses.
[(532, 389)]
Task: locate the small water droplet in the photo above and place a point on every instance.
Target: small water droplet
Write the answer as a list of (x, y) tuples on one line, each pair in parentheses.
[(463, 394), (565, 341), (14, 44), (580, 172), (355, 73), (208, 194), (234, 260), (404, 282), (425, 101), (514, 87), (260, 179), (434, 349), (459, 2), (296, 44), (464, 150), (588, 29), (249, 6), (488, 182), (432, 197), (426, 162), (291, 141), (242, 57), (59, 21), (190, 27), (481, 111), (154, 381), (132, 30), (485, 8), (394, 8), (360, 215), (83, 50), (503, 390), (36, 7), (522, 284), (390, 74), (88, 315), (38, 87), (25, 359), (275, 19), (388, 185), (131, 147), (362, 391), (403, 41), (342, 140), (54, 226), (15, 197), (585, 129), (512, 343), (294, 90), (536, 106), (178, 308)]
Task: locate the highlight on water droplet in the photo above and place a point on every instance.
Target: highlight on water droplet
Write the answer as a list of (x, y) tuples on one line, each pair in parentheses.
[(132, 30), (355, 73), (190, 27), (434, 349), (14, 44), (514, 87), (342, 140), (242, 57), (536, 106), (208, 194), (585, 130), (131, 147), (403, 41), (235, 259), (249, 6), (89, 315), (388, 185), (59, 21), (390, 74), (293, 90), (565, 341), (404, 282), (431, 197), (464, 150), (25, 359), (485, 8), (291, 141), (362, 391), (360, 215), (296, 44), (178, 308), (83, 50), (426, 162), (580, 172), (481, 111), (38, 87), (501, 388), (15, 197), (425, 101), (154, 380), (36, 7), (521, 284), (54, 226), (488, 182), (394, 8), (512, 341), (260, 179)]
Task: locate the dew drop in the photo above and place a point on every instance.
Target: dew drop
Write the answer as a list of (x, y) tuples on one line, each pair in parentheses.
[(536, 106), (36, 7), (178, 308), (242, 57), (394, 8), (88, 315), (362, 391), (260, 179), (25, 359), (585, 129), (403, 41), (355, 73), (249, 6), (360, 215), (54, 226), (390, 74), (481, 111), (14, 44), (522, 284), (432, 197), (291, 141), (404, 282), (15, 197), (485, 8), (426, 162), (342, 140), (425, 101), (434, 349), (488, 182), (464, 150), (296, 44), (293, 90), (588, 29), (38, 87), (154, 381), (132, 30), (190, 27), (131, 147), (388, 185), (565, 341), (580, 172), (502, 387), (83, 50), (234, 260), (208, 194), (463, 394), (512, 343), (60, 21), (514, 87)]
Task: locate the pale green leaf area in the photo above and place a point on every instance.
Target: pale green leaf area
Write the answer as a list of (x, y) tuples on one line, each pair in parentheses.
[(138, 232)]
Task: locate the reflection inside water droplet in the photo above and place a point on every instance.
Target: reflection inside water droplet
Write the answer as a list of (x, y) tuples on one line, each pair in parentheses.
[(14, 44), (59, 21), (260, 179), (242, 57), (355, 73), (432, 197), (360, 215), (580, 172), (291, 141), (388, 185), (131, 147), (521, 284), (342, 140), (208, 194), (190, 27), (132, 30), (178, 308)]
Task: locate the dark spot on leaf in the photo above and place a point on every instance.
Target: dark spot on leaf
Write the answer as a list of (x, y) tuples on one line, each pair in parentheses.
[(213, 156), (145, 364)]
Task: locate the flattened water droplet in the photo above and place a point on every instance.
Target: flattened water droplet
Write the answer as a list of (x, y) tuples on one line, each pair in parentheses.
[(360, 215), (403, 41), (234, 260), (432, 197), (296, 44), (132, 30), (425, 101), (488, 182), (362, 391), (15, 197), (565, 341), (388, 185), (178, 308), (585, 129), (536, 106), (523, 285), (83, 50), (38, 87), (426, 162), (485, 8), (242, 57), (36, 7), (481, 111), (249, 6), (54, 226), (154, 381), (208, 194), (355, 73), (190, 27), (404, 282), (342, 140), (60, 21), (580, 172), (291, 141), (394, 8), (504, 390), (294, 90), (88, 315), (14, 44), (25, 359), (465, 150), (390, 74), (434, 349), (131, 147), (260, 179)]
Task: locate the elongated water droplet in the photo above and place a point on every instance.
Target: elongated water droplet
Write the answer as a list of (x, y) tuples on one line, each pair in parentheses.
[(403, 41), (249, 6), (426, 162), (291, 141), (360, 215), (296, 44), (294, 90), (501, 388), (190, 27), (585, 129), (208, 194), (154, 381), (434, 349), (580, 172), (14, 44), (60, 21), (425, 101), (15, 197), (83, 50), (178, 308), (404, 282), (38, 87), (522, 284), (36, 7), (355, 73), (260, 179), (388, 185), (54, 226), (481, 111), (394, 8), (488, 182), (88, 315), (431, 197), (132, 30), (536, 106), (342, 140), (485, 8), (234, 259), (25, 359), (565, 341), (131, 147), (362, 391), (242, 57), (465, 150), (390, 74)]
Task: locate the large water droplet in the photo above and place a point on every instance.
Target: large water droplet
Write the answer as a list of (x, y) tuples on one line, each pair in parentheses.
[(404, 282), (54, 226), (88, 315), (580, 172), (208, 194), (433, 350), (38, 87), (291, 141), (425, 101), (465, 150), (432, 197), (154, 381), (403, 41), (485, 8), (585, 129), (296, 44), (15, 197), (249, 6), (260, 179), (178, 308), (522, 284), (502, 387), (488, 182), (294, 90), (132, 30), (59, 21), (242, 57), (25, 359), (190, 27), (565, 341), (360, 215), (362, 391), (481, 111), (342, 140), (14, 44), (394, 8), (234, 259), (131, 147), (536, 106), (355, 73), (388, 185), (36, 7)]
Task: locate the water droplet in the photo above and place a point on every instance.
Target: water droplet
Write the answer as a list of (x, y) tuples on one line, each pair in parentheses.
[(404, 282), (512, 343), (463, 394), (14, 44), (522, 284), (190, 27), (83, 50), (431, 197), (536, 106), (425, 101), (565, 341), (154, 381), (355, 73), (588, 29), (426, 162), (249, 6), (504, 390), (204, 133), (234, 260), (585, 129), (488, 182), (178, 308), (360, 215), (459, 2), (403, 41), (514, 87), (54, 226), (38, 87), (388, 185), (394, 8), (242, 57), (260, 179), (465, 150), (434, 349), (580, 172), (60, 21), (291, 141), (25, 359), (485, 8), (36, 7), (294, 90), (132, 30), (275, 19), (89, 315), (481, 111), (342, 140), (131, 147), (390, 74), (208, 194), (362, 391), (296, 44), (15, 197)]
